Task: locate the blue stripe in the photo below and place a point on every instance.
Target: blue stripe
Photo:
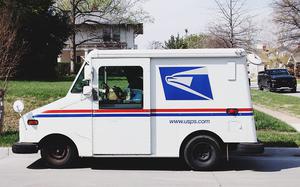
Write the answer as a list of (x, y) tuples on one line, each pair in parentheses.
[(201, 114), (136, 115)]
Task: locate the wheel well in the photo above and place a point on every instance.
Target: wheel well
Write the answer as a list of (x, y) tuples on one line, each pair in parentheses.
[(56, 137), (197, 133)]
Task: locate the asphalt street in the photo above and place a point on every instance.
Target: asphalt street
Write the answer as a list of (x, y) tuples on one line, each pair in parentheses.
[(297, 94), (277, 167)]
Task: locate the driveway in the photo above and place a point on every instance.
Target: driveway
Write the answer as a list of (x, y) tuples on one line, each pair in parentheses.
[(297, 94), (277, 167)]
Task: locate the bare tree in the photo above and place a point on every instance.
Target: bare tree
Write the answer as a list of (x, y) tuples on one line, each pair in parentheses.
[(11, 50), (156, 45), (95, 12), (287, 16), (234, 27)]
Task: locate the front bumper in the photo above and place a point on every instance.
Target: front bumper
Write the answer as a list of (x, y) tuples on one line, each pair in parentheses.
[(250, 148), (25, 148), (283, 86)]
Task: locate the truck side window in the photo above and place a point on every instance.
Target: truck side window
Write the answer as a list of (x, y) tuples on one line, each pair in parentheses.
[(79, 84), (120, 87)]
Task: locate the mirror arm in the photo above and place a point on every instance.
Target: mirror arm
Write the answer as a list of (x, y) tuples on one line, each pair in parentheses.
[(95, 94)]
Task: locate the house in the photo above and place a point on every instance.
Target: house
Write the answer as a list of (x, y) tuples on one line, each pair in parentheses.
[(96, 33), (294, 62), (271, 58)]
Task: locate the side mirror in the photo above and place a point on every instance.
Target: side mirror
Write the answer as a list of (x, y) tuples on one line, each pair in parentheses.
[(18, 106), (88, 74), (87, 91)]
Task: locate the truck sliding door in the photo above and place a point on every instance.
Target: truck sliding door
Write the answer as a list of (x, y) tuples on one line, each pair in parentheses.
[(121, 112)]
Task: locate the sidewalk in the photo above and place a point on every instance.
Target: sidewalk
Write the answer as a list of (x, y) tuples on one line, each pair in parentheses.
[(4, 152), (292, 121)]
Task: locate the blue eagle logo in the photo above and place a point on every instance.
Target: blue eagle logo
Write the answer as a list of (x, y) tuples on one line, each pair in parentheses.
[(186, 83)]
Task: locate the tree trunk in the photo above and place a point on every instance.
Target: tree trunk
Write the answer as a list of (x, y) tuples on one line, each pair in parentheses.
[(1, 110), (73, 55)]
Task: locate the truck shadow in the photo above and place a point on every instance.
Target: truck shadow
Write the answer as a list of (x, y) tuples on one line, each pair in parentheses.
[(240, 163)]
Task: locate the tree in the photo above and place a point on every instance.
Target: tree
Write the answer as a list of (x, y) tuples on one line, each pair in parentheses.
[(234, 28), (97, 11), (287, 16), (45, 30), (177, 42), (156, 45), (11, 49), (191, 41)]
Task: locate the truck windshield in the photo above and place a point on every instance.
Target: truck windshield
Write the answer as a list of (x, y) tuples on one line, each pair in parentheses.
[(279, 72), (80, 83)]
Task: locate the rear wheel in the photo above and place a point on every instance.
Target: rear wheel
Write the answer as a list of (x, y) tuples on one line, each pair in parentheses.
[(270, 87), (202, 153), (294, 90), (58, 153)]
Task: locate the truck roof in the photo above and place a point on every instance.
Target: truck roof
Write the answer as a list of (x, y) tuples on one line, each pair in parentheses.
[(236, 52)]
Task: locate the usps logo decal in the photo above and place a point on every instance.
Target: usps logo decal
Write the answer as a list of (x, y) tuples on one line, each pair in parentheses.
[(186, 83)]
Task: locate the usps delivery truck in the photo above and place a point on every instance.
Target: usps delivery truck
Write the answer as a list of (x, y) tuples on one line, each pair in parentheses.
[(192, 104)]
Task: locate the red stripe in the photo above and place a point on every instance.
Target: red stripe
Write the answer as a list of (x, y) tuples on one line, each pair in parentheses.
[(146, 110), (200, 110), (67, 111)]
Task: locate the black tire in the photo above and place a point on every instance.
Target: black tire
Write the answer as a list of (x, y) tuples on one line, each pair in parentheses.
[(202, 153), (270, 89), (59, 153), (260, 87), (294, 90)]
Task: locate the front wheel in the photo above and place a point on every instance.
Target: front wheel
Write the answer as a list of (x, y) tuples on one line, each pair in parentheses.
[(270, 89), (58, 154), (294, 90), (202, 153)]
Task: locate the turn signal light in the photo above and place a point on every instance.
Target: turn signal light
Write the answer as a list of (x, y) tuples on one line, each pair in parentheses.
[(32, 122), (232, 111)]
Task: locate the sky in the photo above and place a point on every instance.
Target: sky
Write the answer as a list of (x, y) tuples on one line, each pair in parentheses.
[(174, 16)]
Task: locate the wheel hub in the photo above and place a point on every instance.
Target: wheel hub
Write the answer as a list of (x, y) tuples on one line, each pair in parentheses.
[(202, 152), (58, 152)]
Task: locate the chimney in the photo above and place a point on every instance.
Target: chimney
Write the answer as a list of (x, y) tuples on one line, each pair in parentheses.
[(264, 47)]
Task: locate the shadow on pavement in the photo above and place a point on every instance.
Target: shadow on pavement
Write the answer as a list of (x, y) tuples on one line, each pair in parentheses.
[(240, 163)]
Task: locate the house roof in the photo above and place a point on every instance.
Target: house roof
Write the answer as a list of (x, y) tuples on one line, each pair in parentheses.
[(272, 55), (95, 18), (170, 53)]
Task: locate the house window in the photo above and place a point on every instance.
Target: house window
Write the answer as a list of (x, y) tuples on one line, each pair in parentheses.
[(116, 34), (121, 87), (107, 34)]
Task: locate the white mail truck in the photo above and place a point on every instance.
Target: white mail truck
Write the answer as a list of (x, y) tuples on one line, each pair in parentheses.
[(192, 104)]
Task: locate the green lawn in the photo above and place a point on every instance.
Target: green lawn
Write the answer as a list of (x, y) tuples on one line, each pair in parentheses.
[(8, 138), (279, 102), (34, 94), (274, 132)]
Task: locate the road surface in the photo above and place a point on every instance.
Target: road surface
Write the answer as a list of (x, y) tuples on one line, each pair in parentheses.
[(297, 94), (277, 167)]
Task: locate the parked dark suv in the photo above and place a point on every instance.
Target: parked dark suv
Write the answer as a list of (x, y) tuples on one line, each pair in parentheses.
[(276, 79)]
